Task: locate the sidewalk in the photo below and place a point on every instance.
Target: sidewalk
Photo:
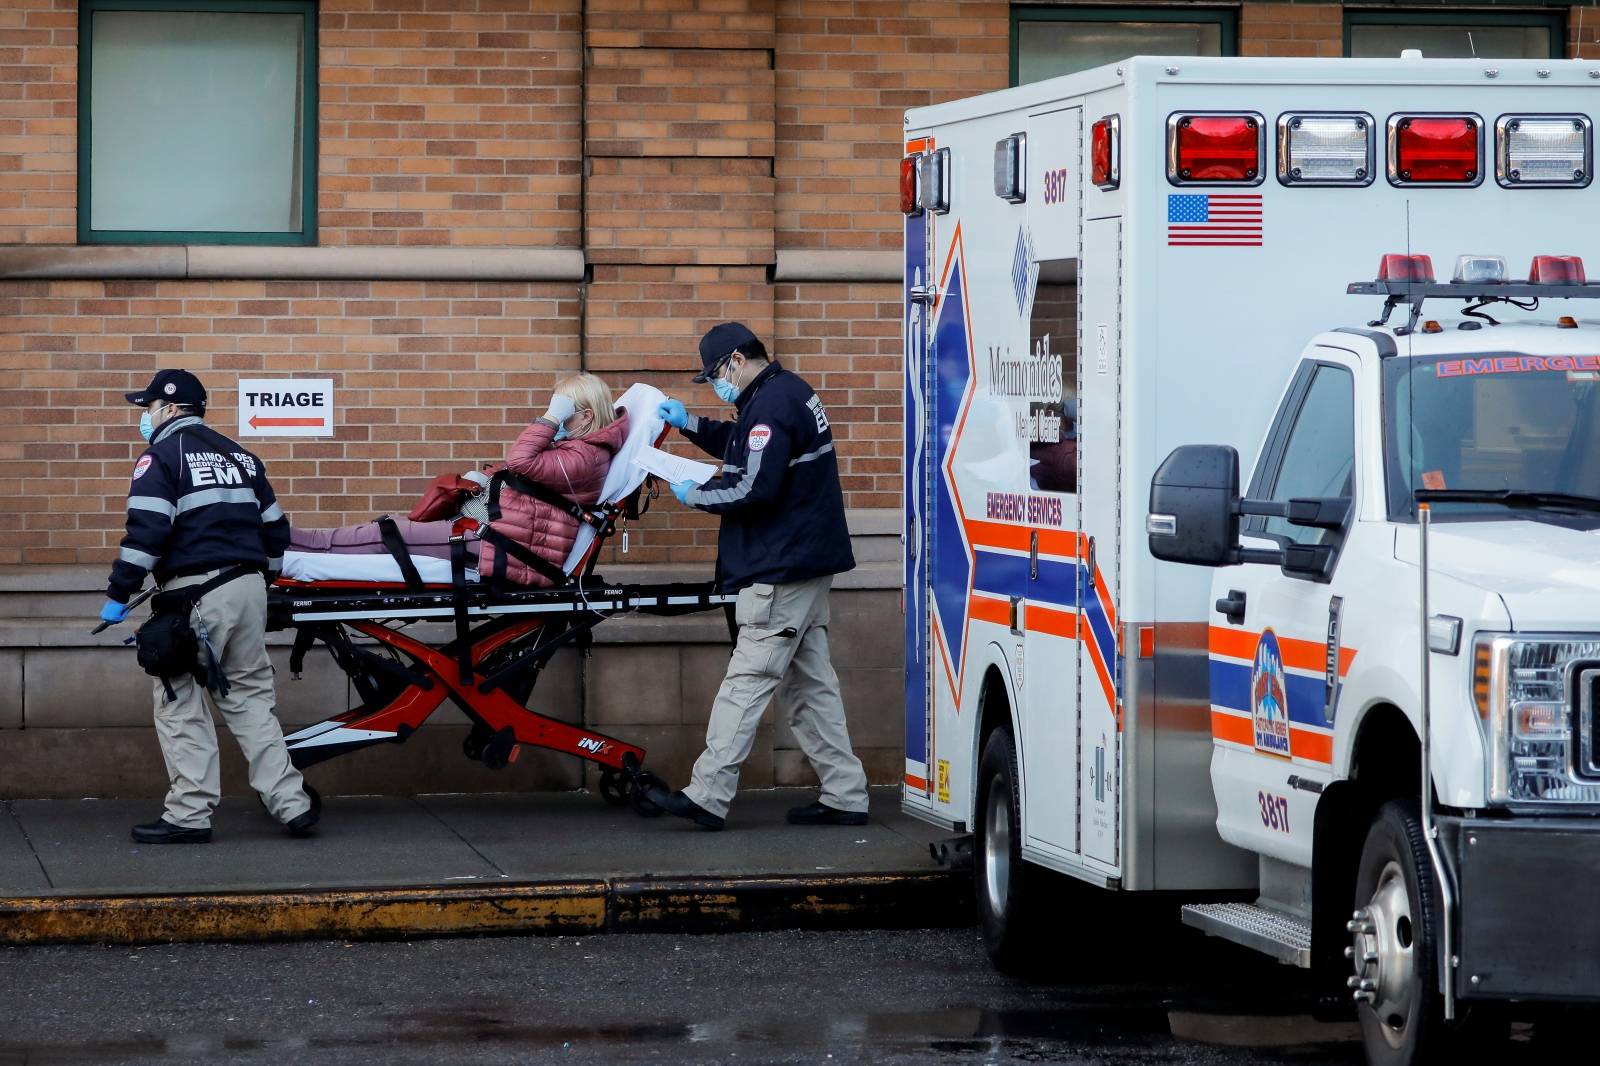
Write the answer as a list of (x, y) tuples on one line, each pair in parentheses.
[(452, 864)]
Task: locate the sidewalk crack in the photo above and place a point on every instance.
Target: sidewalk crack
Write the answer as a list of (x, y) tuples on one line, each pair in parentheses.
[(431, 813), (12, 813)]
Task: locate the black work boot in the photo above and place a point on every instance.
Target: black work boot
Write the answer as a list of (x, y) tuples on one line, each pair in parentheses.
[(678, 804), (164, 832), (820, 813), (304, 823)]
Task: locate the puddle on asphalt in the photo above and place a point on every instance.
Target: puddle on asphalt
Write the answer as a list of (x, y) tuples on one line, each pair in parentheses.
[(1083, 1025)]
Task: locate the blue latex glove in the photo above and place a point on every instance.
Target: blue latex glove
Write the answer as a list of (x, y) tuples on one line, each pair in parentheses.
[(682, 489), (674, 415), (113, 612)]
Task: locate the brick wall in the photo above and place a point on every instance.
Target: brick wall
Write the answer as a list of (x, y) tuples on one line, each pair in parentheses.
[(847, 72), (38, 122), (1291, 30), (428, 376), (449, 123)]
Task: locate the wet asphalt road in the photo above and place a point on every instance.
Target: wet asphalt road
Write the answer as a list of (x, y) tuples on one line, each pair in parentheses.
[(878, 997)]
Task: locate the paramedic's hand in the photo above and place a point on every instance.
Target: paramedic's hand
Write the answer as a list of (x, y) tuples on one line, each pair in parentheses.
[(561, 408), (682, 489), (673, 414), (113, 612)]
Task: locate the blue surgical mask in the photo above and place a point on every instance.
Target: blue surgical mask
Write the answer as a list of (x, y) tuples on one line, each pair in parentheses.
[(146, 429), (726, 390), (561, 433)]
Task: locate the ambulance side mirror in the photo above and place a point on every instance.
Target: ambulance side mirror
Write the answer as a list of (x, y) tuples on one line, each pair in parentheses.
[(1194, 512)]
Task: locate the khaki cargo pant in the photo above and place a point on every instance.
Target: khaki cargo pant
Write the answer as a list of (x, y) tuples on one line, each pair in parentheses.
[(235, 619), (783, 636)]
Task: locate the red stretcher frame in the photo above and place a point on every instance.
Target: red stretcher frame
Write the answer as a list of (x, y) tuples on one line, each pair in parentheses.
[(403, 680)]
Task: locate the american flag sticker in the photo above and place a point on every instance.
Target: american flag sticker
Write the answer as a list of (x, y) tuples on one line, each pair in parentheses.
[(1214, 220)]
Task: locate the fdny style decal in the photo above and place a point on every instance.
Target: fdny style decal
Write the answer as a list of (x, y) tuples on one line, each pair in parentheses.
[(1269, 697), (141, 466), (1266, 686), (759, 436)]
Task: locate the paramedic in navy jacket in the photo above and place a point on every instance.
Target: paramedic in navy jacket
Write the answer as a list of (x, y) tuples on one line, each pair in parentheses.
[(783, 538), (201, 513)]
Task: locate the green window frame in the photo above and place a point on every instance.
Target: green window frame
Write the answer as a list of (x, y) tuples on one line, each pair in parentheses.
[(1555, 22), (307, 233), (1225, 18)]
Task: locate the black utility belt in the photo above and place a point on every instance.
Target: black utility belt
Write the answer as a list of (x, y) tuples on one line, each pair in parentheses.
[(184, 599)]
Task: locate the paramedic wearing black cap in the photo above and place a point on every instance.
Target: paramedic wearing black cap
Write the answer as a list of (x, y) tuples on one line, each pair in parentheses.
[(783, 538), (202, 518)]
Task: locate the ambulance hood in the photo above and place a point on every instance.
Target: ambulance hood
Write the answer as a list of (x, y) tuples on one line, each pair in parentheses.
[(1547, 574)]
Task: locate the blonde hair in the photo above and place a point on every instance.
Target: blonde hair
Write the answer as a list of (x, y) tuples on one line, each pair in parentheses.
[(590, 394)]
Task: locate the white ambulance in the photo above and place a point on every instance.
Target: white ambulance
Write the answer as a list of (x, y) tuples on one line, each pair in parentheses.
[(1110, 283)]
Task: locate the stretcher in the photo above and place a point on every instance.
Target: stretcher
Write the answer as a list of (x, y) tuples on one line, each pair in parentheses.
[(373, 612)]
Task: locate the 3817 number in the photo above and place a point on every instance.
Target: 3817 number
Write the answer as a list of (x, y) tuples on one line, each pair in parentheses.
[(1274, 811)]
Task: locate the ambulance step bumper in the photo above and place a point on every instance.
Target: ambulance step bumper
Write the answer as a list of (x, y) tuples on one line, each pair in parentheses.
[(1272, 932)]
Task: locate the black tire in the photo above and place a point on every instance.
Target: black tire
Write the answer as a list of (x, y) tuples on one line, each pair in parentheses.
[(1003, 884), (1404, 1023)]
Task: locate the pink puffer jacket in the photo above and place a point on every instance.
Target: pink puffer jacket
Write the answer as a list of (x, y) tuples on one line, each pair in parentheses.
[(576, 468)]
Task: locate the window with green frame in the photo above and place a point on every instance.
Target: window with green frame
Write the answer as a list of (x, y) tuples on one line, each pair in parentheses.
[(197, 122), (1503, 34), (1047, 42)]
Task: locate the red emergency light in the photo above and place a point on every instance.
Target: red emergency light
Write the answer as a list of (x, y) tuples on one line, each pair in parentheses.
[(1556, 270), (1105, 168), (1435, 150), (908, 186), (1405, 268), (1208, 149)]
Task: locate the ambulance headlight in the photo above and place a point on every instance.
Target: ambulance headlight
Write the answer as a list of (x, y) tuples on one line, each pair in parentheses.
[(1543, 150), (1325, 149), (1537, 702)]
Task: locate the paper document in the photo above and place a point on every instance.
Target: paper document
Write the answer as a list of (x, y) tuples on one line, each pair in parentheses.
[(674, 468)]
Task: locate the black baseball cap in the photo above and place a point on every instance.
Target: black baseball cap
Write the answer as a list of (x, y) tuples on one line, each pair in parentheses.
[(170, 386), (718, 343)]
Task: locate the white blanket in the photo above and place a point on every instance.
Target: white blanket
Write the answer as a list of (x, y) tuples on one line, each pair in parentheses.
[(328, 566)]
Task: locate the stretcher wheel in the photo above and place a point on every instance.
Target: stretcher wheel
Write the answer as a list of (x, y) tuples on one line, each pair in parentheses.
[(643, 805), (614, 787)]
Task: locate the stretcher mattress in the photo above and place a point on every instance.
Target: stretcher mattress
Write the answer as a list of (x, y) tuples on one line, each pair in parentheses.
[(327, 566)]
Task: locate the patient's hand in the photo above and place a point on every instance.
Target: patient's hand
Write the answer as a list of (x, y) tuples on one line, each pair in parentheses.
[(561, 408)]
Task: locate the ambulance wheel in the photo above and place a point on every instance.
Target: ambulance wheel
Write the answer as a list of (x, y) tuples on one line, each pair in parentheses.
[(1003, 882), (1394, 945)]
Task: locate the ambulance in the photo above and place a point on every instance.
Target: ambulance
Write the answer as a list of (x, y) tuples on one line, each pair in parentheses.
[(1253, 465)]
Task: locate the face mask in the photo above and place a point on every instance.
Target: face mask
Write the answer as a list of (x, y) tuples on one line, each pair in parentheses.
[(726, 390), (561, 433), (146, 429)]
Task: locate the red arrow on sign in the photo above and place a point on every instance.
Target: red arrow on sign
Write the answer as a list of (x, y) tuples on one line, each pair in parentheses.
[(256, 421)]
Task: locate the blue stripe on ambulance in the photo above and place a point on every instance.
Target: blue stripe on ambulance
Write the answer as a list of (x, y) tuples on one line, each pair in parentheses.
[(1230, 688)]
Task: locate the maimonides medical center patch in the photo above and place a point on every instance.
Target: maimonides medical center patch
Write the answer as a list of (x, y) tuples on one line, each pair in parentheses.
[(759, 436), (141, 466)]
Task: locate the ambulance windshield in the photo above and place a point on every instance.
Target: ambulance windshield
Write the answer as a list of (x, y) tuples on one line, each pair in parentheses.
[(1496, 422)]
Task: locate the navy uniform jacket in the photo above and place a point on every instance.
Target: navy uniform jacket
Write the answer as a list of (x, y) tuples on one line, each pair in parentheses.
[(778, 494), (190, 510)]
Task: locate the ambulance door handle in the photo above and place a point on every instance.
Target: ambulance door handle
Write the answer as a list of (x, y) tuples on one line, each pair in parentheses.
[(1033, 555), (1232, 606), (911, 536), (926, 295)]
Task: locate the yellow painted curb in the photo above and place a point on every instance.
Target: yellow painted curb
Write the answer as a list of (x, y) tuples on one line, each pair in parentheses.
[(364, 914)]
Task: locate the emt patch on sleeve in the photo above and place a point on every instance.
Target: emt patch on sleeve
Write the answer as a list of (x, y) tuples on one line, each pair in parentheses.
[(759, 436), (141, 466)]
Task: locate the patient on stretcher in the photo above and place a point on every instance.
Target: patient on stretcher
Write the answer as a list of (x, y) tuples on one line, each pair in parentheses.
[(569, 449)]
